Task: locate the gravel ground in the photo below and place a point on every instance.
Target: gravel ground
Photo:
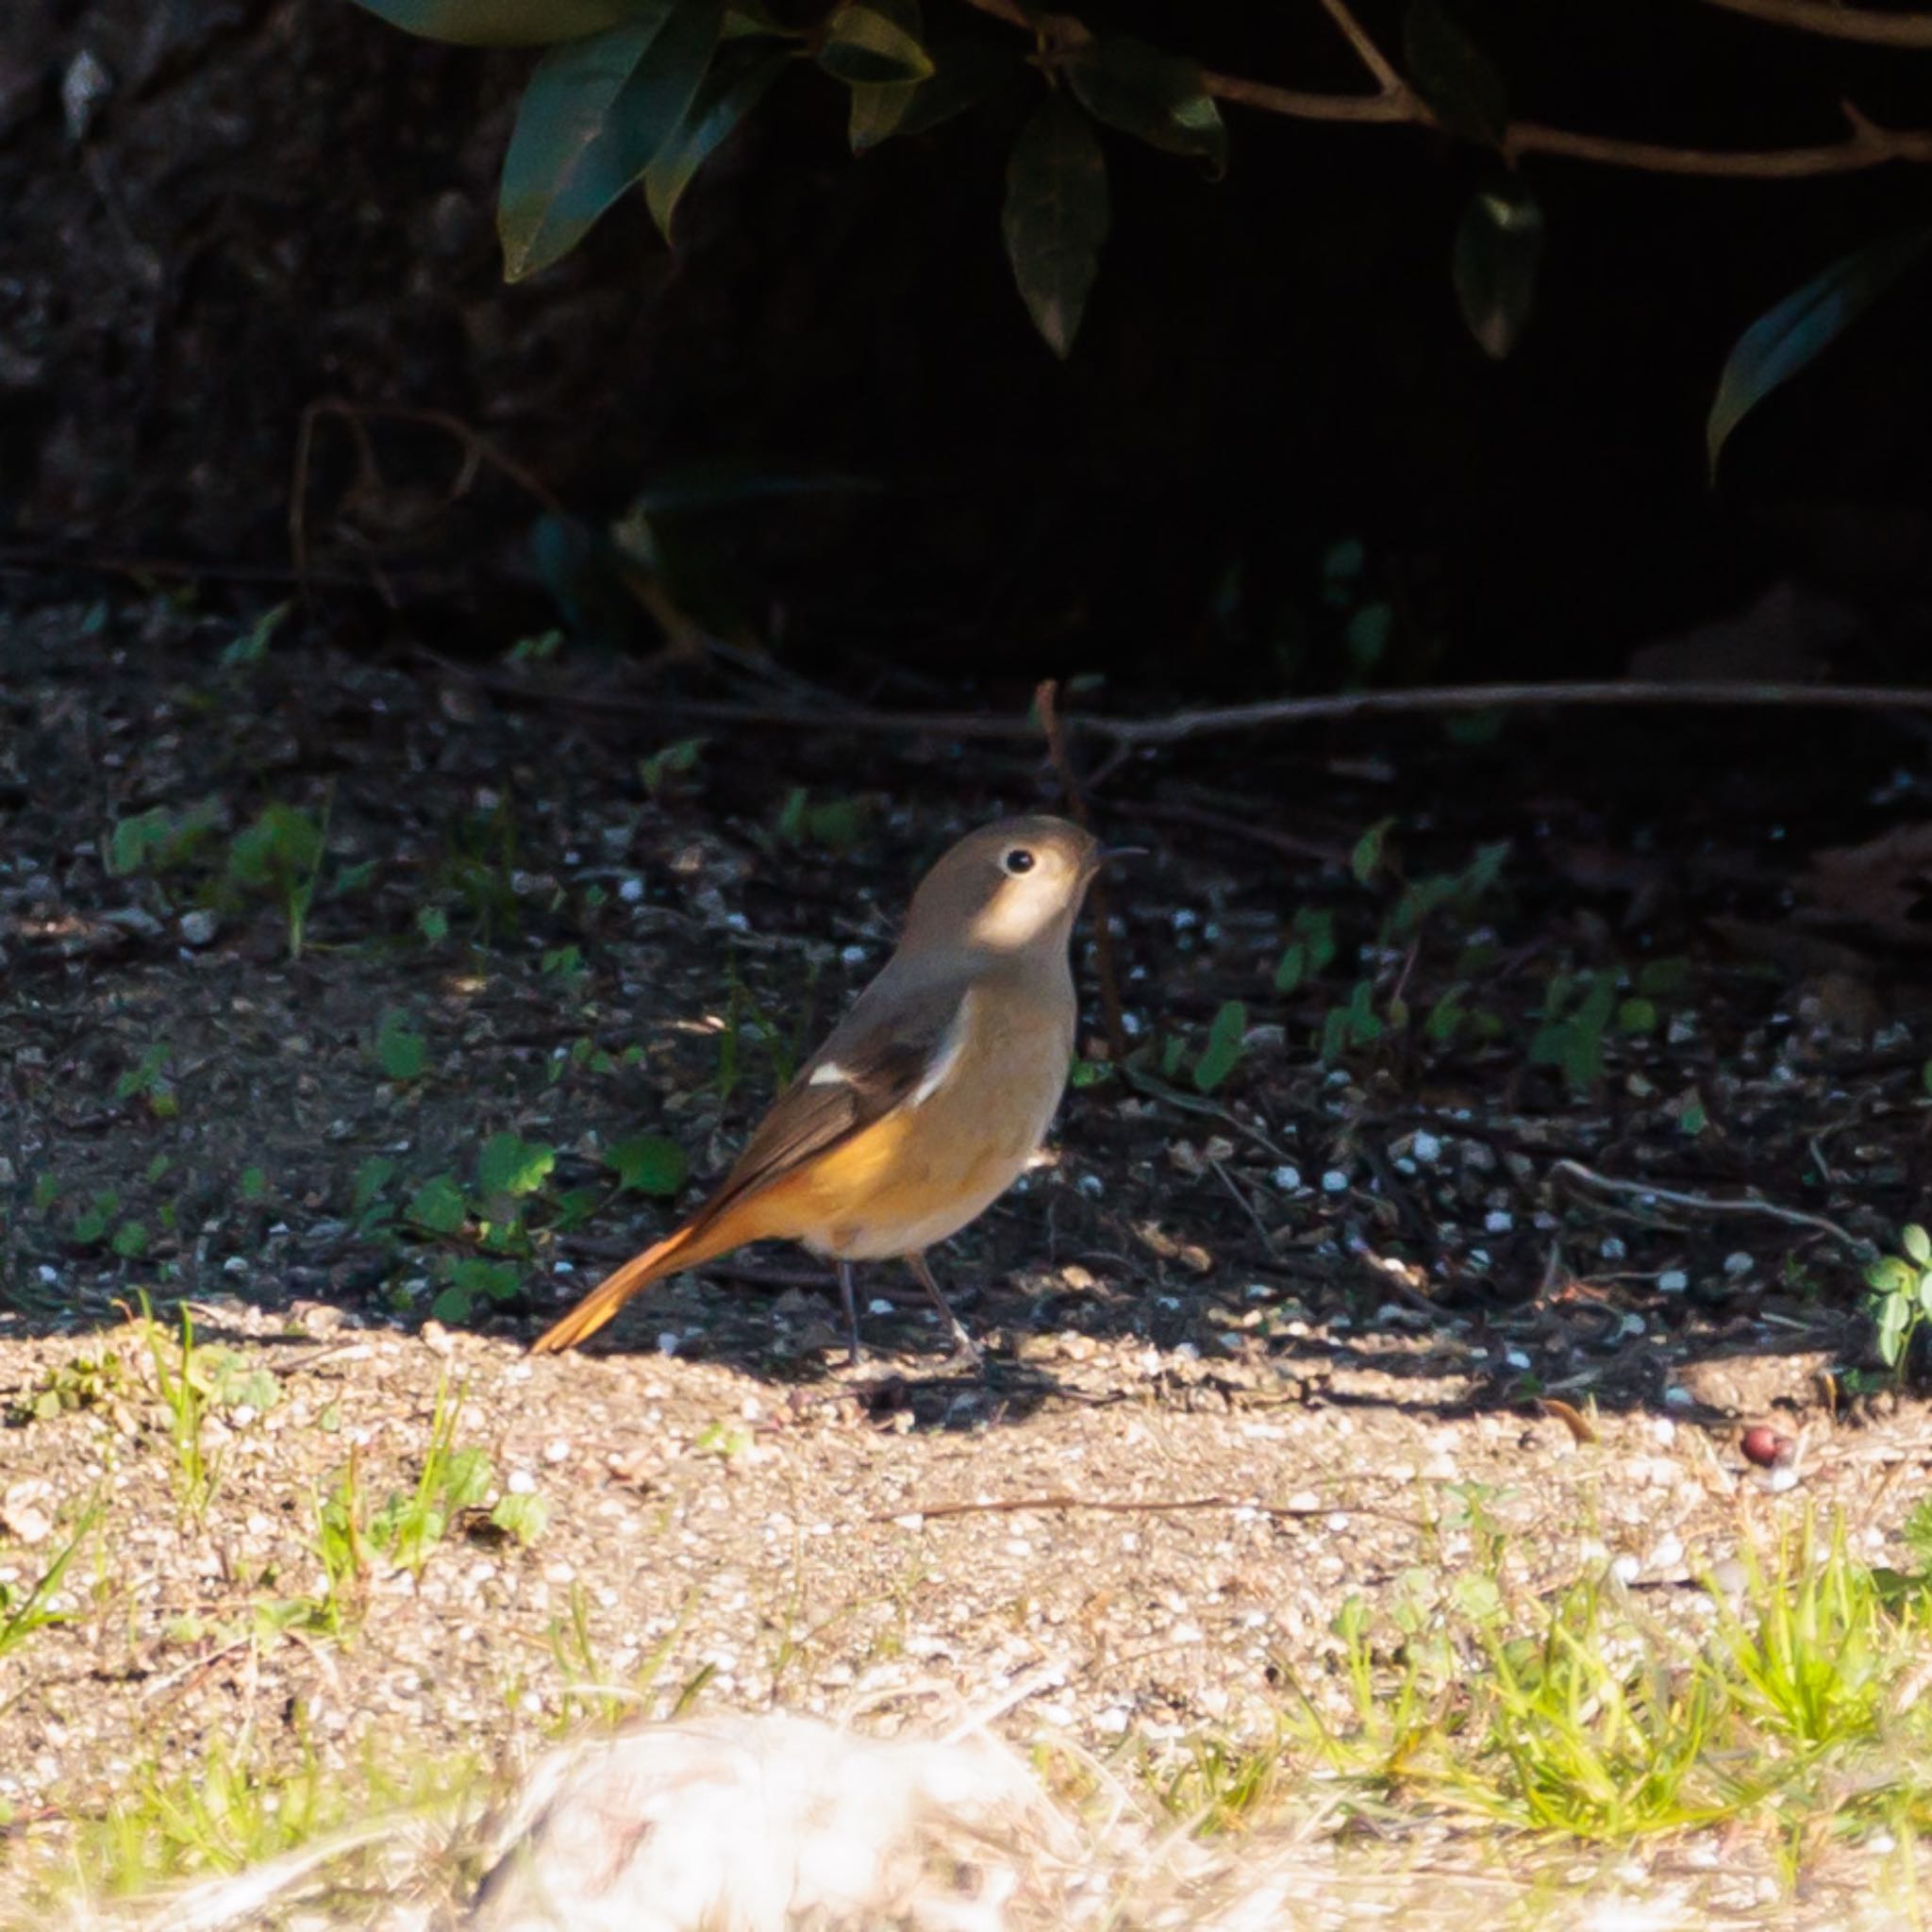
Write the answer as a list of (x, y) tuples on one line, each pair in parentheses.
[(1253, 1350)]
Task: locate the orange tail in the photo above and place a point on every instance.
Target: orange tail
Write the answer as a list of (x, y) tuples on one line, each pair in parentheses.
[(697, 1240)]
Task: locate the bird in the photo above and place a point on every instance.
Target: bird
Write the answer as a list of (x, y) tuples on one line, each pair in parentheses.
[(929, 1097)]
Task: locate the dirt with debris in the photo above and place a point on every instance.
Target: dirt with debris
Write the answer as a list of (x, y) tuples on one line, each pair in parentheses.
[(1256, 1342)]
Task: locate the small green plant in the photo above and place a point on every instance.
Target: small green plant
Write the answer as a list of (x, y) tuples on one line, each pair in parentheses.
[(1900, 1298), (147, 1080), (251, 646), (86, 1382), (397, 1049), (280, 855), (648, 1164), (24, 1611), (659, 770), (1226, 1043), (187, 1402), (454, 1483), (836, 824), (161, 841), (100, 1220)]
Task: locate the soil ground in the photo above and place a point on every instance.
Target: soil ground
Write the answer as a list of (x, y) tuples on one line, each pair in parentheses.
[(1255, 1344)]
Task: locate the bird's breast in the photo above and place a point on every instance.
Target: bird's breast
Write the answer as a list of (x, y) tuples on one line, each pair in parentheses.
[(934, 1163)]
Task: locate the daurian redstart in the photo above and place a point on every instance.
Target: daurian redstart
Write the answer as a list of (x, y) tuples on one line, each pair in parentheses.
[(930, 1095)]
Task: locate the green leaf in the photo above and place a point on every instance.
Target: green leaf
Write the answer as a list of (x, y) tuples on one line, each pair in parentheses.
[(1453, 75), (1788, 336), (1226, 1034), (966, 72), (371, 1179), (452, 1305), (511, 1165), (1316, 927), (1290, 969), (1916, 1244), (400, 1054), (500, 22), (523, 1515), (1926, 1293), (1158, 97), (253, 1184), (736, 82), (649, 1163), (437, 1205), (595, 115), (283, 843), (1498, 243), (1636, 1016), (1055, 218), (867, 46), (1366, 859), (130, 1241), (878, 107), (433, 924)]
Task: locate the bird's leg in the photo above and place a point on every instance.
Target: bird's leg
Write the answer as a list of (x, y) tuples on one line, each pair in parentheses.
[(851, 1306), (962, 1342)]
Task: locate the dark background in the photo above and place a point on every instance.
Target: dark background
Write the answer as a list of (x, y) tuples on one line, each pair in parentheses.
[(283, 201)]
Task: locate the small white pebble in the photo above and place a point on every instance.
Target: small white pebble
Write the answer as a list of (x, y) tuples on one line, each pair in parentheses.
[(853, 956), (1091, 1184), (48, 1276), (1288, 1179), (1112, 1723), (1130, 1024), (879, 1306), (1612, 1248), (1516, 1358), (1335, 1182), (556, 1450), (1740, 1263), (1426, 1149), (521, 1482), (1673, 1281), (1679, 1397), (667, 1343), (1625, 1569), (234, 1265), (1498, 1221), (631, 891)]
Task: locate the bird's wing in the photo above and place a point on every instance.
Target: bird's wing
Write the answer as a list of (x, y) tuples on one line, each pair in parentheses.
[(896, 1046)]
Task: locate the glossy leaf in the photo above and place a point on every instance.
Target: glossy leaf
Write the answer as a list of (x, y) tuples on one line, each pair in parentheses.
[(1055, 218), (1790, 336), (501, 23), (1499, 242), (965, 72), (1453, 75), (1156, 97), (739, 79), (865, 46), (878, 107), (594, 116)]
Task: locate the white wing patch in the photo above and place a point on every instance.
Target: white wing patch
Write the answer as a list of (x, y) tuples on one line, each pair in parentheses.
[(946, 1056), (830, 1074)]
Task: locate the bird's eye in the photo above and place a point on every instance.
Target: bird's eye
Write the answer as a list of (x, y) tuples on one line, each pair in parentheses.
[(1017, 860)]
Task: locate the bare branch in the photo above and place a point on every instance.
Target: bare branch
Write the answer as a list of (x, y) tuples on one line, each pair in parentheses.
[(1867, 146), (1840, 23)]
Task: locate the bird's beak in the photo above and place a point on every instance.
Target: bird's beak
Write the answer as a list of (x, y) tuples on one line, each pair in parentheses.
[(1105, 855)]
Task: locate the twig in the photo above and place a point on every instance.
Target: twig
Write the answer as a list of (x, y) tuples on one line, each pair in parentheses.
[(1012, 1506), (1705, 1204), (1423, 700), (1046, 702), (1839, 22), (1291, 845), (1396, 103)]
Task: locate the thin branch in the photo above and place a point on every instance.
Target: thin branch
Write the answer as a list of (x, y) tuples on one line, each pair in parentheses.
[(1217, 720), (1707, 1203), (1046, 702), (1839, 22), (1395, 101)]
